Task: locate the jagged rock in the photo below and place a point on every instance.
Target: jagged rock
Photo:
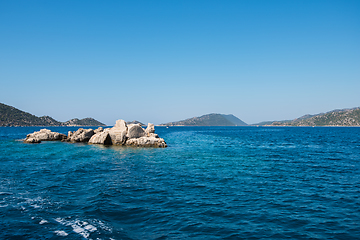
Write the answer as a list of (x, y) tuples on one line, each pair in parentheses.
[(135, 131), (121, 124), (44, 135), (150, 128), (153, 135), (81, 135), (101, 138), (118, 133), (32, 140), (100, 129), (152, 141)]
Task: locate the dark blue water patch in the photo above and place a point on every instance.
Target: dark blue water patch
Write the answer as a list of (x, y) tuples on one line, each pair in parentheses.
[(211, 182)]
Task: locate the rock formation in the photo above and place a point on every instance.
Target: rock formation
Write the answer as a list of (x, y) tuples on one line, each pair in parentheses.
[(120, 134), (101, 138), (81, 135), (152, 140), (135, 131), (44, 135), (150, 129)]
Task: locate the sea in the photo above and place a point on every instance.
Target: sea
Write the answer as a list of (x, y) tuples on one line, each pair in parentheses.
[(209, 183)]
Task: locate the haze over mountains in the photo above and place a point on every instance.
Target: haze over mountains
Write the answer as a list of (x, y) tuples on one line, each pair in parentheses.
[(213, 119), (10, 116), (339, 117)]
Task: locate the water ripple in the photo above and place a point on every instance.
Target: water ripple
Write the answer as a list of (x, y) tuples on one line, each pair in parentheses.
[(214, 183)]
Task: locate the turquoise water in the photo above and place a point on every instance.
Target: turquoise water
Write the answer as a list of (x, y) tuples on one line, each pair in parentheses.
[(210, 183)]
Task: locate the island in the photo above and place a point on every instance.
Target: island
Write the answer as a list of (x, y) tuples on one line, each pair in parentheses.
[(121, 134), (13, 117), (335, 118), (213, 119)]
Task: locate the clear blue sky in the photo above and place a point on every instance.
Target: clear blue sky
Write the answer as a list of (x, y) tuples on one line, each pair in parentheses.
[(161, 61)]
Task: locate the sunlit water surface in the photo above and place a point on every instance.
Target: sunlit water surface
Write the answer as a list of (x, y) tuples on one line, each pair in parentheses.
[(210, 183)]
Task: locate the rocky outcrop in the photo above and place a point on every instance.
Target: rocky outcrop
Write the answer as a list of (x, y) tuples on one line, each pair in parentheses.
[(152, 140), (44, 135), (101, 138), (150, 129), (81, 135), (100, 129), (120, 134), (135, 131)]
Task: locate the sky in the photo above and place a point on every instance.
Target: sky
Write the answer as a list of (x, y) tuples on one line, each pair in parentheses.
[(162, 61)]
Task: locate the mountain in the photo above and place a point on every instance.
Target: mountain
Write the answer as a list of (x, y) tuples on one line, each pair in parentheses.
[(339, 117), (213, 119), (10, 116)]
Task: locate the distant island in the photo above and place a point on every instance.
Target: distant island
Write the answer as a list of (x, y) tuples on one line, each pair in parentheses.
[(135, 122), (213, 119), (13, 117), (339, 117)]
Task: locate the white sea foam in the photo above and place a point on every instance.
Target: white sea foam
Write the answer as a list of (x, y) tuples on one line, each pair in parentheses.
[(90, 228), (103, 226), (61, 233), (43, 221), (80, 227)]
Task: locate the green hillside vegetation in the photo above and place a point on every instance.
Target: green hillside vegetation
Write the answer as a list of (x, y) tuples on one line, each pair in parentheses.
[(10, 116), (83, 122), (13, 117), (344, 117), (213, 119)]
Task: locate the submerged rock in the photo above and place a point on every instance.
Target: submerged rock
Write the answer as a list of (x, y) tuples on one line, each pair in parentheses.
[(44, 135)]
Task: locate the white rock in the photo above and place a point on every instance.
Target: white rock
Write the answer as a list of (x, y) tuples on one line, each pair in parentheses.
[(100, 129), (81, 135), (101, 138), (44, 135), (118, 133), (150, 128), (135, 131), (152, 141)]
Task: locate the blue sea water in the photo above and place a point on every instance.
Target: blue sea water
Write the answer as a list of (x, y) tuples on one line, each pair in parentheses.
[(210, 183)]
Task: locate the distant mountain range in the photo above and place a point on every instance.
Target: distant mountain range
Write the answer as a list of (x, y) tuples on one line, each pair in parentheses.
[(339, 117), (10, 116), (213, 119)]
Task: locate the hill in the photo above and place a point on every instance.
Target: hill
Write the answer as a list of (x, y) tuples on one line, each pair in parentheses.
[(13, 117), (339, 117), (83, 122), (135, 122), (213, 119)]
